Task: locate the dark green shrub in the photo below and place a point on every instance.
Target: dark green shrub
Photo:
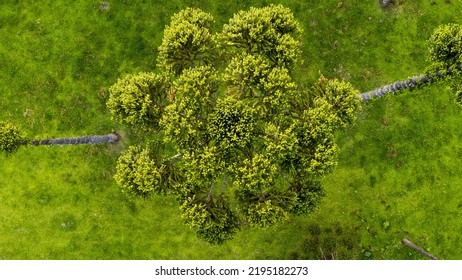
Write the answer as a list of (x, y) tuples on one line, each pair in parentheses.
[(446, 44), (10, 137)]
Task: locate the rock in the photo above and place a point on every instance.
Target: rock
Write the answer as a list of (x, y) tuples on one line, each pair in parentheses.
[(385, 3)]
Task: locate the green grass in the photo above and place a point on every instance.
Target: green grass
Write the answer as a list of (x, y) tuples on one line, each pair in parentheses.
[(398, 174)]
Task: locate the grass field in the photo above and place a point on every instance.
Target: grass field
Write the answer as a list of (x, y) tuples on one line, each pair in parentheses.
[(399, 174)]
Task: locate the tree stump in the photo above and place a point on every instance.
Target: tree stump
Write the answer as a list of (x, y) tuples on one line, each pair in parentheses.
[(385, 3), (104, 7)]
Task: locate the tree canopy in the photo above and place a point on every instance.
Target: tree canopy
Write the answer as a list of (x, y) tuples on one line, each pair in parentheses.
[(270, 31), (187, 41), (446, 44), (139, 99), (239, 141), (445, 55), (10, 137)]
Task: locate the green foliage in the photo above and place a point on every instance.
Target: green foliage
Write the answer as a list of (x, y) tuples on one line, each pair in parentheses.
[(265, 213), (139, 99), (211, 218), (317, 151), (255, 174), (231, 124), (259, 198), (271, 31), (446, 44), (187, 41), (278, 89), (203, 164), (194, 96), (10, 137), (269, 88), (446, 57), (308, 195), (281, 143), (341, 97), (267, 207), (245, 74), (138, 173)]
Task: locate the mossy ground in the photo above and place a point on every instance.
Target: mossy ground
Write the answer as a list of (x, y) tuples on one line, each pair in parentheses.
[(399, 174)]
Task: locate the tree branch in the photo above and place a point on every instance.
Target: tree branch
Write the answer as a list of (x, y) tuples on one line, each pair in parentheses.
[(209, 196), (174, 158), (408, 243), (225, 181)]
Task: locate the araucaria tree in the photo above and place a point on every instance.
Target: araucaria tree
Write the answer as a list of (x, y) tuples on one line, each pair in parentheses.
[(237, 139)]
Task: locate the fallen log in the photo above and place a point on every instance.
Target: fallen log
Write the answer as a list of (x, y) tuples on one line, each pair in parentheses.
[(408, 243)]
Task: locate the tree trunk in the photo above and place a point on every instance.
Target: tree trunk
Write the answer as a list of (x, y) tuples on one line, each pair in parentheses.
[(418, 249), (97, 139), (408, 83), (390, 88)]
